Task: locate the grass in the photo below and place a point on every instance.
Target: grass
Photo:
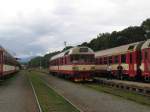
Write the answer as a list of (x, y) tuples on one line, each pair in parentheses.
[(49, 100), (121, 93)]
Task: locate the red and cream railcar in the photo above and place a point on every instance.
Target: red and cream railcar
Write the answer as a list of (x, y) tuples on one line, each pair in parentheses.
[(8, 64), (76, 64), (130, 57)]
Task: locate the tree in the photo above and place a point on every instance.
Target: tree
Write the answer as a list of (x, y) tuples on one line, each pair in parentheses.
[(146, 26), (105, 41)]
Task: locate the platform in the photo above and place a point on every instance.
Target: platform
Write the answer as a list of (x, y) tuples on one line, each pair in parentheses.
[(138, 87)]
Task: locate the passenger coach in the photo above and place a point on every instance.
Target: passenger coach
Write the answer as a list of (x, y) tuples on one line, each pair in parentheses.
[(76, 64), (8, 64), (131, 57)]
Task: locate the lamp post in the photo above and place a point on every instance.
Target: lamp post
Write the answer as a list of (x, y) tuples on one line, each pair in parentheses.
[(65, 43)]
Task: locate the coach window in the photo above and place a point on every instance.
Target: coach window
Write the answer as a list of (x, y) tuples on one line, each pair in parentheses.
[(96, 60), (100, 60), (105, 60), (61, 61), (55, 61), (64, 60), (116, 59), (123, 58), (58, 61), (110, 59)]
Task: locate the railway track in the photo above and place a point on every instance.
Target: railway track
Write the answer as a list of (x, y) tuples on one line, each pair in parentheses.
[(62, 96), (136, 87), (36, 98), (54, 101), (90, 100)]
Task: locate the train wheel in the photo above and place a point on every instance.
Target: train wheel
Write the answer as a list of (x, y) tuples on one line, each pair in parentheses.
[(147, 79)]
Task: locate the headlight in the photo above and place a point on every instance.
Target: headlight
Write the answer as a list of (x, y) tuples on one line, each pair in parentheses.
[(93, 68), (75, 68)]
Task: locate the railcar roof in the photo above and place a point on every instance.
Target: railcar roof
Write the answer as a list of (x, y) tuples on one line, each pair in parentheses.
[(116, 50), (74, 50), (7, 53)]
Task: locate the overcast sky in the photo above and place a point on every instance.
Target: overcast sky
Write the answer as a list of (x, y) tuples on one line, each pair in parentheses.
[(34, 27)]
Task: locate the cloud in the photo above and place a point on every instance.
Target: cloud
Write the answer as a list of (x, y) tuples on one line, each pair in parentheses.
[(33, 27)]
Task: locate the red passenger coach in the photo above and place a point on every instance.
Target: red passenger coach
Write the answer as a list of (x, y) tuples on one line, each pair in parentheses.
[(75, 64), (8, 64), (145, 61), (134, 59)]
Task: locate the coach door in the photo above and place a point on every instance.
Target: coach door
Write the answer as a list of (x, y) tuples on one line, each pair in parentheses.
[(131, 65), (139, 56)]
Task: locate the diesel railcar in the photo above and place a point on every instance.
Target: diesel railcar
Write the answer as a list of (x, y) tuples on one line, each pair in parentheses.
[(131, 57), (8, 64), (76, 64)]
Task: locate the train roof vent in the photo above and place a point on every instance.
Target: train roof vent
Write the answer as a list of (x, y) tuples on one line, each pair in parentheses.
[(83, 49), (131, 47)]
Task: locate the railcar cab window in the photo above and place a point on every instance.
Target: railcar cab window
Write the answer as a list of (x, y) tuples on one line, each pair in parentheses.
[(131, 47), (82, 58)]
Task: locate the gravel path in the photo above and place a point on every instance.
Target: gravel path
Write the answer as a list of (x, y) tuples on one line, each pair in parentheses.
[(16, 95), (90, 100)]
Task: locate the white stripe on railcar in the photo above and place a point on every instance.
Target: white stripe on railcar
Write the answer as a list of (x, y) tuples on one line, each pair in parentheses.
[(71, 67), (8, 68)]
